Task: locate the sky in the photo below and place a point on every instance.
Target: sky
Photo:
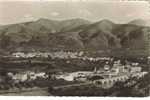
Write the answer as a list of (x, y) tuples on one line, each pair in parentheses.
[(16, 11)]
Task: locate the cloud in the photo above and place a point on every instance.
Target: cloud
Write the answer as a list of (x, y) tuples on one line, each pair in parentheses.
[(55, 14)]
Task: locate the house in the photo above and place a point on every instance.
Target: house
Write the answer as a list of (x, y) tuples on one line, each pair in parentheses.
[(30, 55), (18, 54), (106, 67), (66, 77), (81, 53), (20, 77), (74, 75), (41, 75), (136, 69)]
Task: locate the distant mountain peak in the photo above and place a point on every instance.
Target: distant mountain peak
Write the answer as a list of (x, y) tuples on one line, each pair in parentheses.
[(46, 20), (104, 22), (140, 22), (77, 20), (80, 19), (42, 19)]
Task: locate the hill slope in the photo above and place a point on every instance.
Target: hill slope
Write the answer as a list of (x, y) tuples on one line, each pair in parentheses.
[(73, 34), (140, 22)]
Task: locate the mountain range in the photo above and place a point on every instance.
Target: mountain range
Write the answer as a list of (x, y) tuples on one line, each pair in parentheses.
[(74, 34)]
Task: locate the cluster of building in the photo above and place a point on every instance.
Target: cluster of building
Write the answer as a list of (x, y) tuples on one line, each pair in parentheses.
[(106, 75), (61, 54), (72, 76), (116, 72), (27, 75)]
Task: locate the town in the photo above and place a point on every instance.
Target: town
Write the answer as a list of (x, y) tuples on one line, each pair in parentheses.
[(100, 75)]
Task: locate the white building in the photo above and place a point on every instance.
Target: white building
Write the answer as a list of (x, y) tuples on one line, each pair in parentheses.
[(72, 76), (136, 69), (18, 54), (18, 77)]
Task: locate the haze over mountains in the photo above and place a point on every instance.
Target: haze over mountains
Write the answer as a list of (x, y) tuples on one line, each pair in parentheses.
[(73, 34)]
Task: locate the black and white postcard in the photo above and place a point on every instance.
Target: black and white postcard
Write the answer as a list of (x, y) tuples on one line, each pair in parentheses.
[(83, 48)]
